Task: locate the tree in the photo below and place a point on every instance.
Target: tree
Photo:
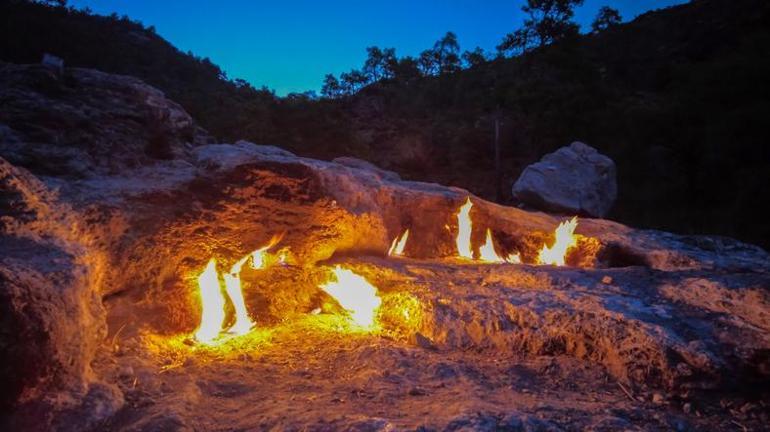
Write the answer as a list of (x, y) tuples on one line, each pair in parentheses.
[(406, 70), (331, 88), (474, 58), (379, 63), (606, 18), (352, 81), (548, 21), (443, 58), (427, 63), (447, 52)]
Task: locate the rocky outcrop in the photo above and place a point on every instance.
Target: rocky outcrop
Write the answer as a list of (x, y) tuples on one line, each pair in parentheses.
[(576, 179), (53, 320), (85, 122), (94, 263)]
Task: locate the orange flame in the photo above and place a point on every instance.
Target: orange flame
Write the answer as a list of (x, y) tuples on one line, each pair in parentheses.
[(258, 256), (464, 228), (243, 322), (355, 294), (513, 258), (213, 300), (487, 251), (488, 254), (398, 245), (213, 303), (565, 239)]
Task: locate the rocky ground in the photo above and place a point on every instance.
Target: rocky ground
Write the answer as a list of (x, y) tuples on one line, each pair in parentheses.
[(643, 330), (522, 356)]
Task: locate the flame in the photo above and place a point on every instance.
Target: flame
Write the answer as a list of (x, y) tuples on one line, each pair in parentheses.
[(565, 239), (243, 322), (514, 258), (464, 228), (258, 256), (398, 245), (487, 251), (213, 303), (488, 254), (355, 294)]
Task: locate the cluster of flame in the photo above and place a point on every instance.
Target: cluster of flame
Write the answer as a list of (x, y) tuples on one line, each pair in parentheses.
[(549, 255), (213, 300), (353, 292)]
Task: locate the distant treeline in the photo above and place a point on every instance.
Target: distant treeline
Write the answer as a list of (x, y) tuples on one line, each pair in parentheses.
[(548, 22)]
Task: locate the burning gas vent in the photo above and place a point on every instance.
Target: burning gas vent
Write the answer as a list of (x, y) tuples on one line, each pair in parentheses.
[(356, 296)]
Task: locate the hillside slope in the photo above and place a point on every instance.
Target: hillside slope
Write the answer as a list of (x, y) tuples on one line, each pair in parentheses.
[(677, 97)]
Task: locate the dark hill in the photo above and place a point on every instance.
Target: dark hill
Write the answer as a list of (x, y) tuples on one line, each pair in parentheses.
[(678, 97)]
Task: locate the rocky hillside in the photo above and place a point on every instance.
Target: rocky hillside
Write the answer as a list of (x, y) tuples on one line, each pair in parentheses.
[(677, 98), (83, 120)]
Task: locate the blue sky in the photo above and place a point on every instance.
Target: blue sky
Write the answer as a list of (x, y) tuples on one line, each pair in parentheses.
[(290, 45)]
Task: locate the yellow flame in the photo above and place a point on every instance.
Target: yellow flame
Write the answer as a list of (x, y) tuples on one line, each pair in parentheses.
[(487, 251), (464, 228), (243, 322), (398, 245), (565, 239), (213, 303), (488, 254), (283, 256), (355, 294), (514, 258), (258, 256)]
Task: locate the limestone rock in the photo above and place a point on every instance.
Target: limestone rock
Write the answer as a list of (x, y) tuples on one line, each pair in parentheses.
[(85, 122), (576, 179), (362, 164)]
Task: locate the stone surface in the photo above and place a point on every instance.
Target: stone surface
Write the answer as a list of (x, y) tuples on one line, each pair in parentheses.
[(85, 122), (53, 320), (575, 179)]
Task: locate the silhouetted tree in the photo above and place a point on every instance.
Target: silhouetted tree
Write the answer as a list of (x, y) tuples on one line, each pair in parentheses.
[(406, 70), (443, 58), (548, 21), (474, 58), (606, 18), (379, 63), (352, 81), (331, 88)]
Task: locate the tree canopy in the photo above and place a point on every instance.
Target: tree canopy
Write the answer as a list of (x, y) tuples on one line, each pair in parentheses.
[(606, 18), (547, 21)]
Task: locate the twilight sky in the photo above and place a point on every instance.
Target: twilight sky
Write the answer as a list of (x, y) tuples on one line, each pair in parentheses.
[(289, 45)]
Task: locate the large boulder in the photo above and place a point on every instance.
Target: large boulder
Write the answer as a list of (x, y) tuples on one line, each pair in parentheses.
[(576, 179)]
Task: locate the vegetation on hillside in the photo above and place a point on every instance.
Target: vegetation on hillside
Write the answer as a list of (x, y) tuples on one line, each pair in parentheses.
[(678, 98)]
